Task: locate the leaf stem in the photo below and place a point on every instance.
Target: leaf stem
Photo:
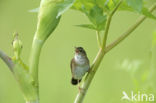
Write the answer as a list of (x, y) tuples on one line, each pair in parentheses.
[(98, 38), (108, 23), (96, 62), (128, 32), (7, 60)]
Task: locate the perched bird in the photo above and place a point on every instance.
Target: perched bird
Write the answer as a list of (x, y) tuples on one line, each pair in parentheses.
[(79, 65)]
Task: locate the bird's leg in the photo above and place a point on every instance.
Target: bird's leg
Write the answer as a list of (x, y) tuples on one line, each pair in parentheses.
[(89, 70), (79, 87)]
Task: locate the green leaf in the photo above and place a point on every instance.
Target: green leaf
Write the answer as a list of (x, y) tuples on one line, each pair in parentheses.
[(135, 4), (97, 17), (102, 3), (88, 26), (96, 11), (107, 5), (83, 4), (64, 6), (125, 7), (146, 12), (110, 4)]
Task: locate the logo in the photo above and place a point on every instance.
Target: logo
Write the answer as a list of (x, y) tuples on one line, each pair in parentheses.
[(134, 97)]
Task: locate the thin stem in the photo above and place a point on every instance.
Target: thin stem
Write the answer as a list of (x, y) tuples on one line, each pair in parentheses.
[(96, 62), (129, 31), (7, 60), (108, 23), (34, 60), (98, 38)]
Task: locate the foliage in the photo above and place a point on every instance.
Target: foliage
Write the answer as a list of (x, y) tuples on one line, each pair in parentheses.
[(97, 11)]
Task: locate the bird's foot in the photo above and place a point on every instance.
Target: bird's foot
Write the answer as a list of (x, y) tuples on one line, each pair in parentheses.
[(80, 89)]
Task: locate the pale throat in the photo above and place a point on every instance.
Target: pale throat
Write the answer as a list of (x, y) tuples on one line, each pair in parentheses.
[(79, 59)]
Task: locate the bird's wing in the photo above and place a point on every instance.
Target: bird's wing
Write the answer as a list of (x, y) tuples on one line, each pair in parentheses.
[(72, 65)]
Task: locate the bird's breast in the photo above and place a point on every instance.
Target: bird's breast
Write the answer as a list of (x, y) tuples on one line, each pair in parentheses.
[(80, 60), (80, 71), (81, 66)]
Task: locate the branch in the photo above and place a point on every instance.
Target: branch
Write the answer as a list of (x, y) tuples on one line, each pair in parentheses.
[(129, 31), (96, 62), (34, 60), (98, 38), (7, 60), (108, 23)]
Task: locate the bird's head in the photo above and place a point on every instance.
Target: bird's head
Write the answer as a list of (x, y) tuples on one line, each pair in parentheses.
[(80, 51)]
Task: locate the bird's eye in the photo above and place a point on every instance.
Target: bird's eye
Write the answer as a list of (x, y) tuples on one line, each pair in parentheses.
[(80, 50)]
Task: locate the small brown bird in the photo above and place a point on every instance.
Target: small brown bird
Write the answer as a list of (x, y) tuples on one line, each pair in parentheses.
[(79, 65)]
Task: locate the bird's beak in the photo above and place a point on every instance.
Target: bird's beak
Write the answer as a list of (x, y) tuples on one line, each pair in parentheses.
[(76, 49)]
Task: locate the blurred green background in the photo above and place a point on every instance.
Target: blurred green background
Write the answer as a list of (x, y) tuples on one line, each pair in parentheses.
[(128, 67)]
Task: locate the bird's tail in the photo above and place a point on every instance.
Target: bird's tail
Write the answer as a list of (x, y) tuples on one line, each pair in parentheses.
[(75, 81)]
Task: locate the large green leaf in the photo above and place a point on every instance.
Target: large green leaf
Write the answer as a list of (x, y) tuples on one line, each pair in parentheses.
[(93, 11), (97, 10)]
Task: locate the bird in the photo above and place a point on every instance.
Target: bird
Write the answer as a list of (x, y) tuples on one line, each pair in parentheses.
[(79, 65)]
